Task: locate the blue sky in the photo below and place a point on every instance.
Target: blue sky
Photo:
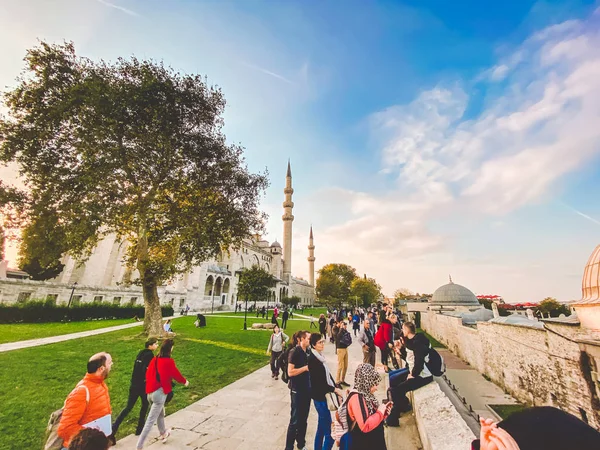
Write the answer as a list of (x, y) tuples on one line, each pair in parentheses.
[(427, 138)]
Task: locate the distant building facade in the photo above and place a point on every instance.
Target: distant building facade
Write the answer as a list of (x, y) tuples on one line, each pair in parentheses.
[(212, 284)]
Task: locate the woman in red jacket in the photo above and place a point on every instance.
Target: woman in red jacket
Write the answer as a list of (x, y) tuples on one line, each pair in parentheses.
[(160, 373)]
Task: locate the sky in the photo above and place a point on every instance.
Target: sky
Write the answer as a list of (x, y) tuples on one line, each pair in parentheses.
[(427, 138)]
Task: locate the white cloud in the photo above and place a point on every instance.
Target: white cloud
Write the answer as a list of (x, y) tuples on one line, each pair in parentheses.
[(542, 126), (120, 8)]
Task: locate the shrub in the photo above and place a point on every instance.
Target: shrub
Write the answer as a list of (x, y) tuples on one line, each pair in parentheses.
[(46, 311)]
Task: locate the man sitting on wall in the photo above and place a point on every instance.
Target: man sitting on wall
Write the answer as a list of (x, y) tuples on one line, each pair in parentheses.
[(416, 345)]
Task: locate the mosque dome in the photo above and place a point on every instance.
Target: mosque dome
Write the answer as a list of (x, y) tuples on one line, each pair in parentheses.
[(453, 295), (588, 308), (590, 285), (276, 244)]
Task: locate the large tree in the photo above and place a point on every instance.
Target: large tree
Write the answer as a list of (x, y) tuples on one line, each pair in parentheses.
[(334, 284), (366, 290), (131, 148), (255, 284)]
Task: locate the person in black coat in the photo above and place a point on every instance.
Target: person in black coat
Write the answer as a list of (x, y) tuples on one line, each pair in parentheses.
[(321, 383), (138, 387)]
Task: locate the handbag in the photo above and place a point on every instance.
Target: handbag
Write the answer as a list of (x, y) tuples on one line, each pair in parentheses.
[(333, 401), (170, 394)]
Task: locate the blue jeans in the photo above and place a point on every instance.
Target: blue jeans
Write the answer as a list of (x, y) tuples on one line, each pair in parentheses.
[(323, 439)]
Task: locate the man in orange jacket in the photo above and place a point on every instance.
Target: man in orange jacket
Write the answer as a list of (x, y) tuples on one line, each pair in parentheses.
[(89, 401)]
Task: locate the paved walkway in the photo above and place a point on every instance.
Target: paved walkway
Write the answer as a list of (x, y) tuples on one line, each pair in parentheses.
[(67, 337), (470, 384), (253, 413)]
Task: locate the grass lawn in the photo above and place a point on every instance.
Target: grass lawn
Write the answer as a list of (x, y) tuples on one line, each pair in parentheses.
[(14, 332), (35, 381), (506, 410), (434, 343)]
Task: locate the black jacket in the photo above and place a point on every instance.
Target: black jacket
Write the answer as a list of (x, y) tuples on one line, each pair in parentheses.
[(318, 383), (138, 376), (420, 347)]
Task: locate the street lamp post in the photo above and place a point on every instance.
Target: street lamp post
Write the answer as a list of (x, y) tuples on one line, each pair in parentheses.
[(72, 292), (246, 313), (268, 307)]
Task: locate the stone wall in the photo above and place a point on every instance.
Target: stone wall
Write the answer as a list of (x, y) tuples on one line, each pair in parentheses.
[(553, 366)]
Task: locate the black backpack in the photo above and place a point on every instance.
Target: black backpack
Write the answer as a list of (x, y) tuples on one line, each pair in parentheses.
[(282, 363), (435, 364)]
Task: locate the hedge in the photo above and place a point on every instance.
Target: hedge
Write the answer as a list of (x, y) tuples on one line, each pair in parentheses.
[(47, 311)]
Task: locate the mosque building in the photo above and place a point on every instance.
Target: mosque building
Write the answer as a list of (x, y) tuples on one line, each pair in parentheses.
[(210, 285)]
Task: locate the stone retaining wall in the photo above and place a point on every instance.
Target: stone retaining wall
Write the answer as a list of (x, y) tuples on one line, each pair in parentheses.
[(551, 366), (440, 426)]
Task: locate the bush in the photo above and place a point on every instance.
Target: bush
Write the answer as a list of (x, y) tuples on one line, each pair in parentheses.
[(46, 311)]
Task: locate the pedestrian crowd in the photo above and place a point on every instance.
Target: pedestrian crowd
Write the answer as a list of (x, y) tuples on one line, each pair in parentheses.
[(351, 419)]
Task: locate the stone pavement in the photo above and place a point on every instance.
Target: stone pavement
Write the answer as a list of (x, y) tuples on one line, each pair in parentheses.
[(253, 413), (470, 384)]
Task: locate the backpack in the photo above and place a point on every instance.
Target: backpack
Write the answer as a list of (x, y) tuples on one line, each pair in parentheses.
[(282, 363), (54, 441), (435, 363), (340, 429), (346, 339)]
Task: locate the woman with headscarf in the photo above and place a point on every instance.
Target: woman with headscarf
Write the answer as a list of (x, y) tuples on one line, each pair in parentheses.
[(321, 383), (541, 428), (365, 414)]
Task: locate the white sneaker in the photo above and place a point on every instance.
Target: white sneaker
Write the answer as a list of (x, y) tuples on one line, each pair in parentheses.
[(165, 436)]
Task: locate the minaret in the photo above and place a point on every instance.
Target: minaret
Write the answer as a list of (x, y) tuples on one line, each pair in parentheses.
[(311, 259), (288, 218)]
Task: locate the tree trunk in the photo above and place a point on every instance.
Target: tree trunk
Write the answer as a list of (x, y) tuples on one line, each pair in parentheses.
[(152, 312)]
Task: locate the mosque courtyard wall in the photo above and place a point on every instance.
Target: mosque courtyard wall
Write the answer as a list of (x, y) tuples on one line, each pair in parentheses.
[(554, 365)]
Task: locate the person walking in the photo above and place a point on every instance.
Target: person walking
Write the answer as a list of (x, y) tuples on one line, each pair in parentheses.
[(284, 318), (356, 323), (321, 384), (312, 322), (365, 338), (323, 326), (331, 325), (299, 392), (137, 388), (160, 374), (89, 401), (417, 348), (365, 415), (342, 342), (276, 345)]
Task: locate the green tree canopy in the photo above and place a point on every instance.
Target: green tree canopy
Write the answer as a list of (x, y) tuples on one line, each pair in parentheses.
[(553, 307), (255, 284), (334, 284), (42, 245), (366, 290), (131, 148)]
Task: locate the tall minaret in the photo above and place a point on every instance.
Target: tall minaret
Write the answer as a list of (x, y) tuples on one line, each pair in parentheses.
[(288, 218), (311, 259)]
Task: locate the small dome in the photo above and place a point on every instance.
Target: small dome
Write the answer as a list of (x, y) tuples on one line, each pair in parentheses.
[(453, 295), (276, 244)]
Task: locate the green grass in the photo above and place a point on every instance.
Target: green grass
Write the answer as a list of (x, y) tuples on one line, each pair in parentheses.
[(434, 342), (23, 331), (506, 410), (35, 381)]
